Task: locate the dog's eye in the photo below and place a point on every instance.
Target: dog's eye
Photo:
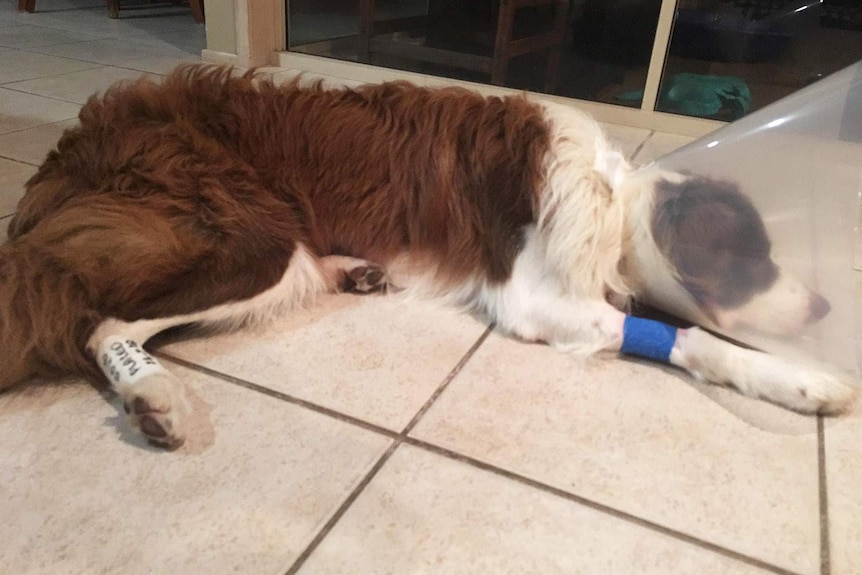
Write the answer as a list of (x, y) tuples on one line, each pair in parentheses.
[(763, 274), (743, 281)]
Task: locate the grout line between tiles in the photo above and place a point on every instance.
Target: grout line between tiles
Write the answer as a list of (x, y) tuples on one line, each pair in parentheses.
[(131, 36), (825, 559), (19, 130), (95, 67), (326, 410), (159, 74), (189, 58), (17, 160), (31, 48), (445, 383), (403, 438), (398, 440), (55, 98), (641, 146), (175, 27), (141, 45), (550, 489), (279, 395), (342, 509)]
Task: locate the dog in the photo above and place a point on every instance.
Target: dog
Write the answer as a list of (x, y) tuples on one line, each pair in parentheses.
[(216, 200)]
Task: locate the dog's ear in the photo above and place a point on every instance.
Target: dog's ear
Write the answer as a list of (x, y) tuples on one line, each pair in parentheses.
[(714, 239)]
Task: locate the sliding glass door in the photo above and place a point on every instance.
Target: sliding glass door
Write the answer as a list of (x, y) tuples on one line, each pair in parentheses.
[(589, 49), (730, 57), (716, 59)]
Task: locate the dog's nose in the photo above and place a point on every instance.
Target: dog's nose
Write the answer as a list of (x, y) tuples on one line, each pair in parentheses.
[(818, 307)]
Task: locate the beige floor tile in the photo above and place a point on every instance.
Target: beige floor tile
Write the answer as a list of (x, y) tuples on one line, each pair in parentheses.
[(92, 18), (857, 335), (194, 38), (328, 81), (33, 144), (642, 440), (844, 478), (27, 36), (159, 64), (19, 111), (857, 256), (77, 86), (245, 495), (18, 65), (426, 514), (9, 16), (115, 52), (659, 144), (375, 358), (13, 175), (628, 139)]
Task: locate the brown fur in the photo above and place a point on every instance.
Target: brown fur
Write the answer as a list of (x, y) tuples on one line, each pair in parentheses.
[(173, 198)]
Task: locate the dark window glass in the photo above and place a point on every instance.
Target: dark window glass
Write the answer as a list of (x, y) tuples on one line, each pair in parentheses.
[(590, 49), (729, 57)]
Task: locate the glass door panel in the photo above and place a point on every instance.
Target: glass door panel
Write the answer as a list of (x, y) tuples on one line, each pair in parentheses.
[(730, 57), (590, 49)]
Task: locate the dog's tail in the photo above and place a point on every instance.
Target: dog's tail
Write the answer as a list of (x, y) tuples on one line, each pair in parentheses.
[(45, 317)]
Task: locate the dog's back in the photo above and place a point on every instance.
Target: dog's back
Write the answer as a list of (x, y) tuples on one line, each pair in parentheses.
[(175, 197)]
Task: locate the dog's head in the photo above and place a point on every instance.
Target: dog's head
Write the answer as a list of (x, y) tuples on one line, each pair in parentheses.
[(715, 240)]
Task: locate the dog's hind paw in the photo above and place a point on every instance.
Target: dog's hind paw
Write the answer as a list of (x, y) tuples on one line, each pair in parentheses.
[(366, 278), (156, 407)]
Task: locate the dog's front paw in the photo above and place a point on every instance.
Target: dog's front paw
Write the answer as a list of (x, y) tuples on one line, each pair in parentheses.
[(793, 385), (819, 392), (157, 407), (798, 387)]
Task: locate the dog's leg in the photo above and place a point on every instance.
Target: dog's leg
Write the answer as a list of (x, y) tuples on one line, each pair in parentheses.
[(756, 374), (593, 326), (587, 327), (533, 306), (46, 316), (153, 397)]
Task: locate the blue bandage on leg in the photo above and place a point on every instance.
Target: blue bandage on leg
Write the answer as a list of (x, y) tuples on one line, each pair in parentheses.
[(648, 338)]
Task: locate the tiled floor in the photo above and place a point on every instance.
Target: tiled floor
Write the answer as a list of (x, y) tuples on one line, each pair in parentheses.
[(364, 437)]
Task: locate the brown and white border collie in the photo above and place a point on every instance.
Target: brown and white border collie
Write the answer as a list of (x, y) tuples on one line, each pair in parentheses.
[(218, 200)]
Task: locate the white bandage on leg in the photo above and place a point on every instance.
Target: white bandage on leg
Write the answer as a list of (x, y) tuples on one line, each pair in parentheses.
[(125, 362)]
